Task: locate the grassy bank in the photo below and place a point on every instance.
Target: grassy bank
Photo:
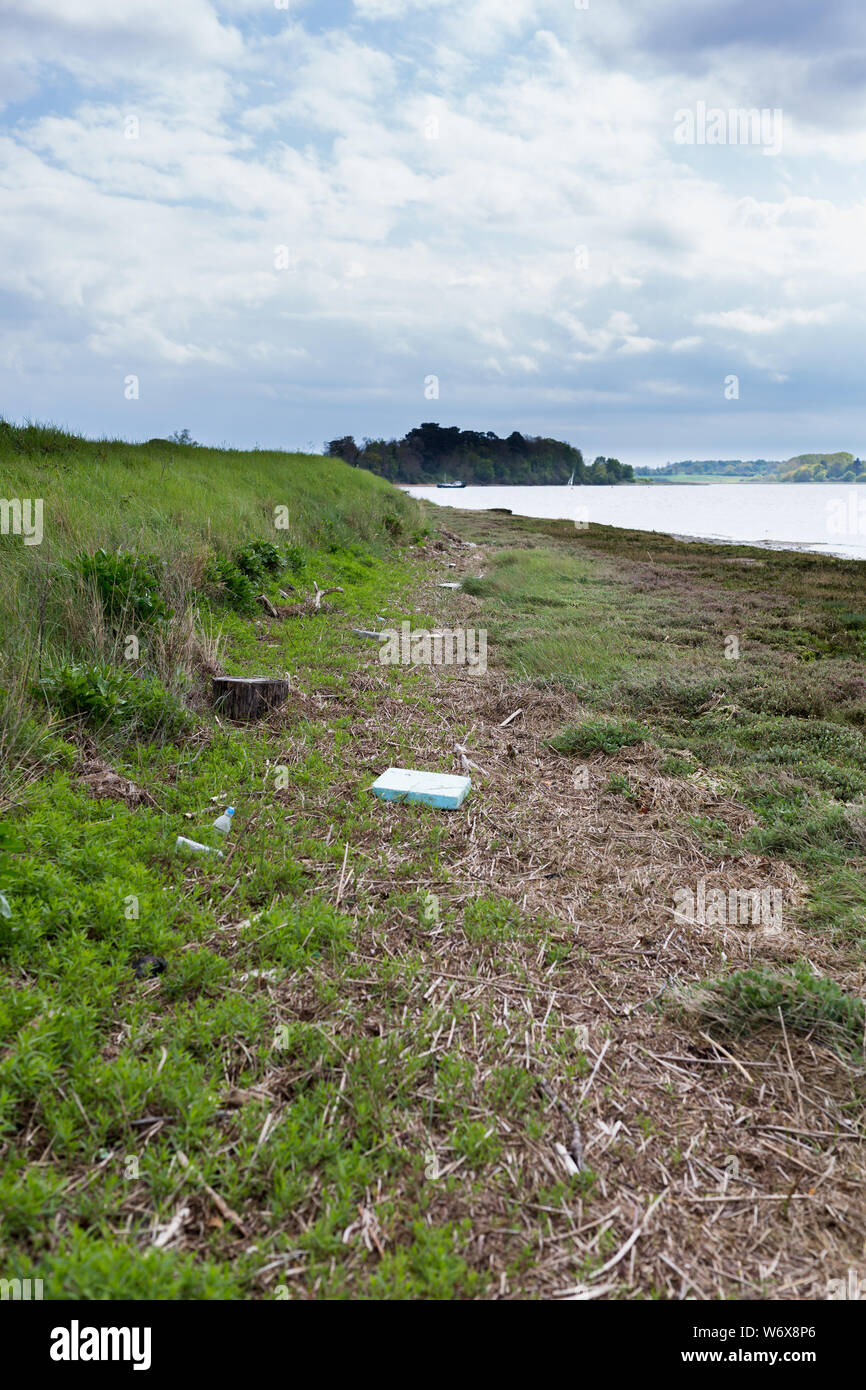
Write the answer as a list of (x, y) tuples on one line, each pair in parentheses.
[(381, 1038), (195, 529)]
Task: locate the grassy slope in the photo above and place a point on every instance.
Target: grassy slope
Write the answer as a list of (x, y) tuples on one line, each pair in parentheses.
[(359, 1071), (178, 501), (186, 505)]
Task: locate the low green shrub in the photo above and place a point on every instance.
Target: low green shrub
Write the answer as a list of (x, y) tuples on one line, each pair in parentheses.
[(102, 695), (259, 558), (230, 584), (475, 586), (491, 919), (296, 560), (128, 584), (599, 736)]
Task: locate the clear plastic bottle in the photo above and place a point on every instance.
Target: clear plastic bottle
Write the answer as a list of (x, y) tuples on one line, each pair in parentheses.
[(223, 823), (183, 843)]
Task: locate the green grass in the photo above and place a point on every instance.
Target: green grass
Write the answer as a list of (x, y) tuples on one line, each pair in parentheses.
[(93, 885), (162, 497), (97, 884), (550, 614), (807, 1003), (148, 552)]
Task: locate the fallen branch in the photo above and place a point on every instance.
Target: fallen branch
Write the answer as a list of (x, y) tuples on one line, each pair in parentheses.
[(598, 1062), (731, 1058), (320, 593), (367, 1227), (506, 722)]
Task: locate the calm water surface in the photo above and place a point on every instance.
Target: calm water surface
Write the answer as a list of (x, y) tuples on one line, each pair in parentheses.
[(829, 517)]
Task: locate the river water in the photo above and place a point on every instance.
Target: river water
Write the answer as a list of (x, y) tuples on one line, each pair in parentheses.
[(828, 517)]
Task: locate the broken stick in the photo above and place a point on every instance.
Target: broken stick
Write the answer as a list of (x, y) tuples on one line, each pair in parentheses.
[(320, 593)]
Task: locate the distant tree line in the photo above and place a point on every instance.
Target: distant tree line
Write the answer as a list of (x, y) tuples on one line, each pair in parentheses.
[(431, 452), (740, 468), (805, 468), (819, 468)]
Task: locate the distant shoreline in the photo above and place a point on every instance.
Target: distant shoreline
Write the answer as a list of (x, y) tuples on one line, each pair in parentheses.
[(665, 482), (831, 522)]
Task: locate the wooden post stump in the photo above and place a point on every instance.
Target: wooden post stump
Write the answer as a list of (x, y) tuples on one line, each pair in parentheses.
[(248, 697)]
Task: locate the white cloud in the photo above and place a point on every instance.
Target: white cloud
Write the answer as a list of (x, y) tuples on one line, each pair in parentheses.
[(686, 344), (406, 255), (774, 321), (69, 33)]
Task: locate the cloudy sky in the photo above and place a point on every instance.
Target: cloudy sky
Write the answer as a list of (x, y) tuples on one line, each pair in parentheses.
[(294, 220)]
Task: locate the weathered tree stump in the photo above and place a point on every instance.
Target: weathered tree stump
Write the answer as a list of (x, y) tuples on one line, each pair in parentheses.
[(248, 697)]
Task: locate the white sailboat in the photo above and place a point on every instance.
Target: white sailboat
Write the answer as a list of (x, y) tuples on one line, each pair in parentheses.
[(570, 482)]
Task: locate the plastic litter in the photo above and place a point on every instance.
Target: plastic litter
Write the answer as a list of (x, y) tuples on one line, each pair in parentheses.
[(223, 823), (183, 843), (442, 789)]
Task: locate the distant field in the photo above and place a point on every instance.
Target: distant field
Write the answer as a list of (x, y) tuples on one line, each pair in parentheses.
[(708, 478)]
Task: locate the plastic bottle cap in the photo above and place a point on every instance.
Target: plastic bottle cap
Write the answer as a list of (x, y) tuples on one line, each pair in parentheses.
[(230, 810)]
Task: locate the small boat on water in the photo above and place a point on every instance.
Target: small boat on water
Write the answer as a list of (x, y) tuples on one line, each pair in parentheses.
[(570, 482), (454, 482)]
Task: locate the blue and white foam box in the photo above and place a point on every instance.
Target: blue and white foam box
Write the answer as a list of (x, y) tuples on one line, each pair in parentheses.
[(442, 789)]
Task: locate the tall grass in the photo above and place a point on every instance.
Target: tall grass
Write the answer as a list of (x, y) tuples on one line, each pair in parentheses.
[(181, 503)]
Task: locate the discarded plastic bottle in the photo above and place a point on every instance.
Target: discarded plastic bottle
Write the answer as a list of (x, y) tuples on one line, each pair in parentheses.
[(183, 843), (223, 823)]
